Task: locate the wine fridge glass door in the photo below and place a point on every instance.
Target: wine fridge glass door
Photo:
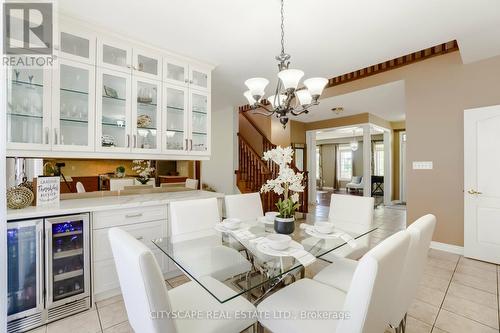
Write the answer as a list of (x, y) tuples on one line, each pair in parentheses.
[(67, 259), (24, 268)]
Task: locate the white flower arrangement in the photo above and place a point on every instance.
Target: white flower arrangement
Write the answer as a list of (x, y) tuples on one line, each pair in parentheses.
[(143, 169), (287, 181)]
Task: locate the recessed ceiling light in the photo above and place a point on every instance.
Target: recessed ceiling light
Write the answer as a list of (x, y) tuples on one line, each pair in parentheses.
[(338, 109)]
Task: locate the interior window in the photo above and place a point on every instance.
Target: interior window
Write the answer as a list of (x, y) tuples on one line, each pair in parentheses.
[(345, 163), (379, 159)]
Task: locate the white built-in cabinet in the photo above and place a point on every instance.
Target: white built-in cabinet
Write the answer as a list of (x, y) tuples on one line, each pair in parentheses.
[(108, 96)]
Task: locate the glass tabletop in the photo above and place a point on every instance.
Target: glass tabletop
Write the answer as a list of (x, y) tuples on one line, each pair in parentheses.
[(243, 261)]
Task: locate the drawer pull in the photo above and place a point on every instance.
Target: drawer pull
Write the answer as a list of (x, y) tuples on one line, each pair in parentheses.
[(139, 238), (133, 215)]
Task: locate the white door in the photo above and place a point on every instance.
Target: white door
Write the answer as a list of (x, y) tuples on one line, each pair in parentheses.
[(482, 183)]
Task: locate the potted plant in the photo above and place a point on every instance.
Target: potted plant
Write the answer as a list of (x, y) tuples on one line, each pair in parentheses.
[(144, 169), (120, 171), (288, 184)]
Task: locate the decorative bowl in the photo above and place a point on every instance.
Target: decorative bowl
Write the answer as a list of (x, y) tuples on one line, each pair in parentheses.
[(279, 242), (143, 121), (19, 197)]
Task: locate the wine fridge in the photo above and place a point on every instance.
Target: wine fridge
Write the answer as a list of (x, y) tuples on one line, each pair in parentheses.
[(48, 270)]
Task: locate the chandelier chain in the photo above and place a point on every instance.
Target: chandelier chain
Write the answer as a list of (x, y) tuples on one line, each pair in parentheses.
[(282, 28)]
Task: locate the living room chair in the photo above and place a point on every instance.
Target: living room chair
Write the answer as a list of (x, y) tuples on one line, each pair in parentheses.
[(148, 302)]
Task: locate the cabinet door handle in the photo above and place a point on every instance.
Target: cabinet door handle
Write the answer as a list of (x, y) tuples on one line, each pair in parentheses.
[(186, 80), (128, 140), (135, 141), (190, 144), (133, 215), (46, 135), (55, 136), (139, 238), (128, 66), (186, 144)]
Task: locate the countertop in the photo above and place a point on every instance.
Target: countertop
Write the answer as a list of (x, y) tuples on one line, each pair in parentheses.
[(74, 206)]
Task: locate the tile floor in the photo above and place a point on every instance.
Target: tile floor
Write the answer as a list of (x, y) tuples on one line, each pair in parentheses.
[(456, 294)]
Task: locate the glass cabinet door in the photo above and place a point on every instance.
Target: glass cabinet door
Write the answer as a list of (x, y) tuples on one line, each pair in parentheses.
[(200, 122), (199, 79), (113, 113), (28, 108), (147, 64), (145, 114), (175, 72), (78, 46), (73, 112), (175, 119), (115, 55)]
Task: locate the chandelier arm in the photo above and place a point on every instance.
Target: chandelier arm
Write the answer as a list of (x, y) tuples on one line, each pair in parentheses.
[(266, 113), (262, 106), (299, 112)]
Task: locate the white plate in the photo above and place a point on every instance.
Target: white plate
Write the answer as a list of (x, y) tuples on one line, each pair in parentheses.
[(266, 249), (220, 227), (314, 233)]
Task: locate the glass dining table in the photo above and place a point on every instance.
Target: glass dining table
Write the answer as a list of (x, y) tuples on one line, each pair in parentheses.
[(243, 260)]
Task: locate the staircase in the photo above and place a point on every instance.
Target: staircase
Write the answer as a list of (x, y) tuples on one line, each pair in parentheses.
[(253, 172)]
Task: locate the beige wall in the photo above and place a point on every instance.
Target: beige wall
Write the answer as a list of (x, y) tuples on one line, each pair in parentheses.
[(437, 92)]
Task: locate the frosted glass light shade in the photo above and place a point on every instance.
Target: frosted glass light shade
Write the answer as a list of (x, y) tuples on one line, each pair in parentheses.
[(276, 101), (257, 86), (304, 96), (290, 78), (315, 85), (249, 97)]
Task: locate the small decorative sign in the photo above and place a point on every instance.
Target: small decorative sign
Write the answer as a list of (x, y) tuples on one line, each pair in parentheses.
[(47, 190)]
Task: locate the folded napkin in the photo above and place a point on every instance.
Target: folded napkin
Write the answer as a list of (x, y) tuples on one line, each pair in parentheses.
[(243, 234), (313, 232)]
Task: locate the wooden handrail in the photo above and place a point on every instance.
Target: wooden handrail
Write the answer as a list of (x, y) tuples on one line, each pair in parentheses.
[(254, 125)]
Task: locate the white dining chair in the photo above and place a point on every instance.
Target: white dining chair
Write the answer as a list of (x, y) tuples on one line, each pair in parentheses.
[(365, 304), (351, 213), (80, 188), (247, 206), (341, 272), (195, 220), (192, 183), (149, 303)]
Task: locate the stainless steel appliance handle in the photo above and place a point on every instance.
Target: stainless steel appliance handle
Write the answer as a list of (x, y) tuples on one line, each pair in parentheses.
[(41, 274)]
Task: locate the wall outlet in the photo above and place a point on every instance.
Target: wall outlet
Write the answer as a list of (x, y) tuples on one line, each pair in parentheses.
[(422, 165)]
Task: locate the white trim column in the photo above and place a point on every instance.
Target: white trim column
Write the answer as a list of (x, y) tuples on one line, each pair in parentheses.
[(367, 157), (387, 167), (311, 165)]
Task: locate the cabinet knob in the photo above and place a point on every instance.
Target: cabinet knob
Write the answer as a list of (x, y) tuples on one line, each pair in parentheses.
[(186, 80)]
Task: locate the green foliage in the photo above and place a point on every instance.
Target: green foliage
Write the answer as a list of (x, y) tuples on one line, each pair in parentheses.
[(120, 169), (287, 207)]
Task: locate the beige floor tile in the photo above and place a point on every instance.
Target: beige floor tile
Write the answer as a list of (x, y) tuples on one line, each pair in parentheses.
[(120, 328), (41, 329), (423, 311), (438, 272), (112, 314), (477, 272), (178, 280), (109, 301), (85, 322), (416, 326), (477, 264), (454, 323), (441, 264), (437, 254), (476, 282), (473, 295), (429, 295), (438, 330), (434, 282), (471, 310)]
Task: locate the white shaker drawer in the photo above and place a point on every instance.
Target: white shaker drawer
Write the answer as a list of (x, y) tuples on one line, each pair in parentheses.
[(117, 217), (145, 232)]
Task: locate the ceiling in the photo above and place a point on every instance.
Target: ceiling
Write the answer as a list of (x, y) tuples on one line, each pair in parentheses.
[(325, 37), (386, 101)]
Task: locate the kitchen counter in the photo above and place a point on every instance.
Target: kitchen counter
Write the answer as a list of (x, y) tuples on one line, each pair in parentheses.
[(105, 203)]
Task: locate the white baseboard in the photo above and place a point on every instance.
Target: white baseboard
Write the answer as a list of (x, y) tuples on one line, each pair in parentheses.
[(448, 248)]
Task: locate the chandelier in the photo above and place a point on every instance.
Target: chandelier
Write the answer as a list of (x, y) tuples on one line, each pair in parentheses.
[(288, 98)]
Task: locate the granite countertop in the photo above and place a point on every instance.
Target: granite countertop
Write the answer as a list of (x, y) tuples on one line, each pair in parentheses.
[(74, 206)]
